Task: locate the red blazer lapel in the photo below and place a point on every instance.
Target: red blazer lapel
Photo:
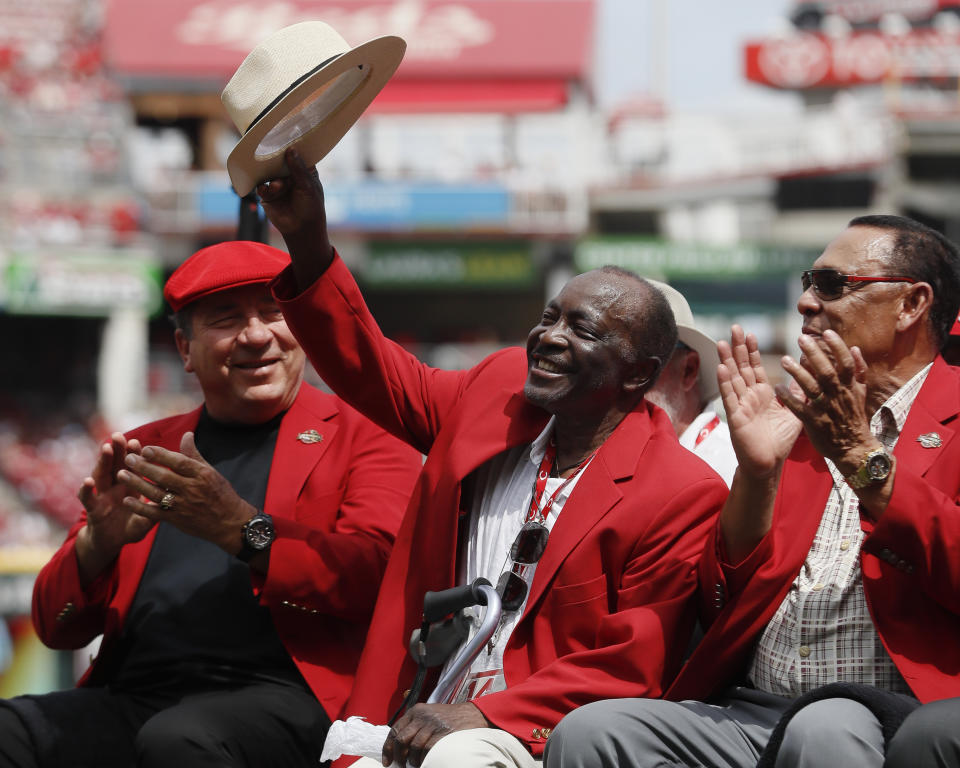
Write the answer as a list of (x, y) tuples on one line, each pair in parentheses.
[(474, 435), (593, 497), (935, 404), (306, 432), (487, 423), (484, 427), (911, 451), (595, 494)]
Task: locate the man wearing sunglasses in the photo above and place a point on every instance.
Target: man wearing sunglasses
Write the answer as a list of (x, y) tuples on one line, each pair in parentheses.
[(830, 588), (546, 472)]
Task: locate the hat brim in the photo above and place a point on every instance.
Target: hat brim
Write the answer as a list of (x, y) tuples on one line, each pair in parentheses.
[(706, 347), (378, 58)]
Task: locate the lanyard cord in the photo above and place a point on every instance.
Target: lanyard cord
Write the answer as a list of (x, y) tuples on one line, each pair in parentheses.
[(536, 512)]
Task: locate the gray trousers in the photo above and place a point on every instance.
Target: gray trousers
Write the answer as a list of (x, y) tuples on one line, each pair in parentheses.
[(928, 738), (731, 733)]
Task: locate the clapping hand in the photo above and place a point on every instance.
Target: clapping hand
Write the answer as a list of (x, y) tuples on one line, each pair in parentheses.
[(185, 491), (829, 396), (110, 524), (762, 428)]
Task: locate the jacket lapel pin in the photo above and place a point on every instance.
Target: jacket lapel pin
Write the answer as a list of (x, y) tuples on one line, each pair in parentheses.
[(930, 440), (309, 437)]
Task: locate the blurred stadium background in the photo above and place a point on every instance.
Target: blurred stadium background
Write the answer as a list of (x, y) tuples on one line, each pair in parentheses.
[(484, 175)]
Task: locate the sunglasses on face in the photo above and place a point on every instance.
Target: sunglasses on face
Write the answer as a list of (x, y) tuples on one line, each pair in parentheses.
[(828, 284), (527, 549)]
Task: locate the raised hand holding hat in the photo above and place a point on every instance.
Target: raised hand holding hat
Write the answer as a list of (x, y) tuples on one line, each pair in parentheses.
[(305, 86)]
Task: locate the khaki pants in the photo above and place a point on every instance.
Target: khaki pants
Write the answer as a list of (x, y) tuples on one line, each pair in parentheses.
[(474, 748)]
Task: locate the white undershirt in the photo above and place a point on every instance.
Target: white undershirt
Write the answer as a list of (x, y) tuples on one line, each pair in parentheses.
[(504, 489)]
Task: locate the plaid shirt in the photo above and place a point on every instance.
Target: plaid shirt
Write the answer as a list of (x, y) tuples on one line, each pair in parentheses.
[(822, 631)]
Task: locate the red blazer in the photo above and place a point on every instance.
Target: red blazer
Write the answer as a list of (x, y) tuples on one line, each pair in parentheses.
[(910, 559), (336, 505), (610, 608)]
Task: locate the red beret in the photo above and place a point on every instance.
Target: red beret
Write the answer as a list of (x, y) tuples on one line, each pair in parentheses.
[(221, 267)]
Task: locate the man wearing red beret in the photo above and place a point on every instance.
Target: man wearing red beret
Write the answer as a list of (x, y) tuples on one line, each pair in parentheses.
[(229, 556)]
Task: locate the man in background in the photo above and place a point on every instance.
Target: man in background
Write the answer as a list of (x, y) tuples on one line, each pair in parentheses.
[(687, 388)]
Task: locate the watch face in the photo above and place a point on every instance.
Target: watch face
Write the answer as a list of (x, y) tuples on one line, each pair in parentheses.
[(259, 533), (878, 466)]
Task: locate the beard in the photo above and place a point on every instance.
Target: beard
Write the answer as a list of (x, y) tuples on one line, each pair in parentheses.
[(671, 401)]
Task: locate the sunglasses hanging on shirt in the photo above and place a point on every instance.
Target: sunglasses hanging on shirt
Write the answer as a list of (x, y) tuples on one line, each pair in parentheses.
[(531, 541), (527, 549)]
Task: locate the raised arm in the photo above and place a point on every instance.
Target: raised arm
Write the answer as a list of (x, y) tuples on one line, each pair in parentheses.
[(762, 431), (295, 206), (326, 312)]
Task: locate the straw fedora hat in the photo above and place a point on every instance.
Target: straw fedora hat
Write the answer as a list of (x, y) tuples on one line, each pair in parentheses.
[(697, 340), (302, 85)]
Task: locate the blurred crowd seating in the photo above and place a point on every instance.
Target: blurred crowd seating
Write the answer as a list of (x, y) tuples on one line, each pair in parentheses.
[(50, 55), (62, 128), (63, 178), (39, 478)]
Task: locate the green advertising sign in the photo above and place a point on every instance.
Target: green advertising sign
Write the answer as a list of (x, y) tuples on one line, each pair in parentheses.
[(80, 282), (438, 265), (691, 260)]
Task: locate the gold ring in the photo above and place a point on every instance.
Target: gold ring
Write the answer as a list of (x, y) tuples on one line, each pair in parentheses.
[(167, 501), (819, 399)]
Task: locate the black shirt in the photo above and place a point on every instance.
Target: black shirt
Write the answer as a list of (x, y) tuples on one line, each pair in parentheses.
[(195, 620)]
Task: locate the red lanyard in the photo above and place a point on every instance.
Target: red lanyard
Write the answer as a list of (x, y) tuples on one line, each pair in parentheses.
[(540, 487), (702, 435)]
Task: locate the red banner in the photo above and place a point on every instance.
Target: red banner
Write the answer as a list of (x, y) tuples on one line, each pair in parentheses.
[(807, 60), (186, 39)]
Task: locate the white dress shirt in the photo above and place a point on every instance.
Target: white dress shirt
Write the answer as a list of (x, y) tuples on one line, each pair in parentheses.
[(504, 489)]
